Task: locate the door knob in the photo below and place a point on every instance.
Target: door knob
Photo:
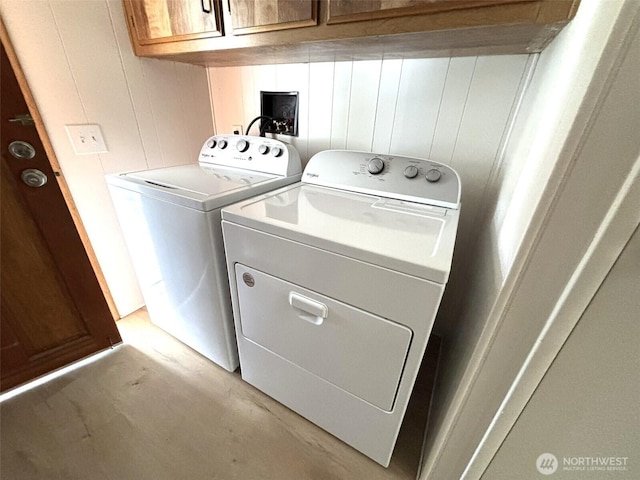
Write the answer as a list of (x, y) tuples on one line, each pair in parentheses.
[(33, 177)]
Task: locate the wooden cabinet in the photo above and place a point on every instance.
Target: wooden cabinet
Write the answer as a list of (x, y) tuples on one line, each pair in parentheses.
[(289, 31), (252, 16), (349, 11), (158, 21), (170, 21)]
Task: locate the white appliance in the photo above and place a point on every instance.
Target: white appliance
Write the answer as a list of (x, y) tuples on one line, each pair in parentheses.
[(336, 282), (171, 222)]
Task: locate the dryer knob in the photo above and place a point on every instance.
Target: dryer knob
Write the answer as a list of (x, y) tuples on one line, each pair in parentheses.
[(242, 145), (263, 149), (276, 151), (211, 143), (375, 166), (433, 175), (222, 144)]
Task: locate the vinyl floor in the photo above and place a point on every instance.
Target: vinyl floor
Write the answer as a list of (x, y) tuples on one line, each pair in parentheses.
[(155, 409)]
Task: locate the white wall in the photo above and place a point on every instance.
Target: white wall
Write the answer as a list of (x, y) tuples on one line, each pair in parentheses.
[(78, 61), (587, 403), (452, 110)]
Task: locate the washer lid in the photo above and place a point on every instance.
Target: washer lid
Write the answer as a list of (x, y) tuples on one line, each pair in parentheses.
[(198, 186), (404, 236)]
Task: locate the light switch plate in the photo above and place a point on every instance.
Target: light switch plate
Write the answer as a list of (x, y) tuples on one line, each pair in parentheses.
[(86, 139)]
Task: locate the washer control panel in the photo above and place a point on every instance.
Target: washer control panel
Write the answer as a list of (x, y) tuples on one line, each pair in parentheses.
[(391, 176), (260, 154)]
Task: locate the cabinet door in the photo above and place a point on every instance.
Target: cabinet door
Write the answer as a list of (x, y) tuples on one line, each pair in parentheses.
[(252, 16), (349, 11), (157, 21)]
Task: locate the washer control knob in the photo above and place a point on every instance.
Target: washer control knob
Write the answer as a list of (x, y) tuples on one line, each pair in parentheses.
[(411, 171), (222, 144), (242, 145), (211, 143), (433, 175), (375, 165), (276, 151), (263, 149)]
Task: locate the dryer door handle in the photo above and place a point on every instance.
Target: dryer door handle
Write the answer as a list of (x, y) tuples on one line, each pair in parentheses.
[(314, 312)]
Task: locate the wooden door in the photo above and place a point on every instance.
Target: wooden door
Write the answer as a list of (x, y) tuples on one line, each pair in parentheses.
[(350, 11), (52, 308), (158, 21), (252, 16)]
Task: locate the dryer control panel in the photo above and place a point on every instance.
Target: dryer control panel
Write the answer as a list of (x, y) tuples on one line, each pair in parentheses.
[(259, 154), (391, 176)]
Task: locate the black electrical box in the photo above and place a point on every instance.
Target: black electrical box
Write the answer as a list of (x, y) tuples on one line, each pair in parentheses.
[(282, 107)]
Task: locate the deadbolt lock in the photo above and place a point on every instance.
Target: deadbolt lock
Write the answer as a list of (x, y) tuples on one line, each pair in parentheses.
[(33, 177)]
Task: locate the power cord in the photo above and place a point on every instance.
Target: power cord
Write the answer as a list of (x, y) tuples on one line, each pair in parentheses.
[(263, 127)]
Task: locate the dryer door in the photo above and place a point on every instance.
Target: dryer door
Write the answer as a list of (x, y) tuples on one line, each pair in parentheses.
[(354, 350)]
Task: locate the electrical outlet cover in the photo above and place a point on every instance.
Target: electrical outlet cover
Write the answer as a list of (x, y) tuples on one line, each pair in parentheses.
[(86, 139)]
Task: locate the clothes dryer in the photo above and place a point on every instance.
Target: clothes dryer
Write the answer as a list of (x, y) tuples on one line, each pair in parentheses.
[(171, 222), (336, 282)]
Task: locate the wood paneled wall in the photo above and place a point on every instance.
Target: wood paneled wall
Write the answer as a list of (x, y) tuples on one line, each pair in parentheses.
[(78, 60)]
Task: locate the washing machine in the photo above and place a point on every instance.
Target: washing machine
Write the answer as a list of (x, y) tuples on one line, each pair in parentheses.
[(336, 281), (170, 218)]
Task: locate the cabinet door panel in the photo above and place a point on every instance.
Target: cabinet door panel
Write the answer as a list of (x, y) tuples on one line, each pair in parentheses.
[(341, 11), (159, 21), (251, 16)]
